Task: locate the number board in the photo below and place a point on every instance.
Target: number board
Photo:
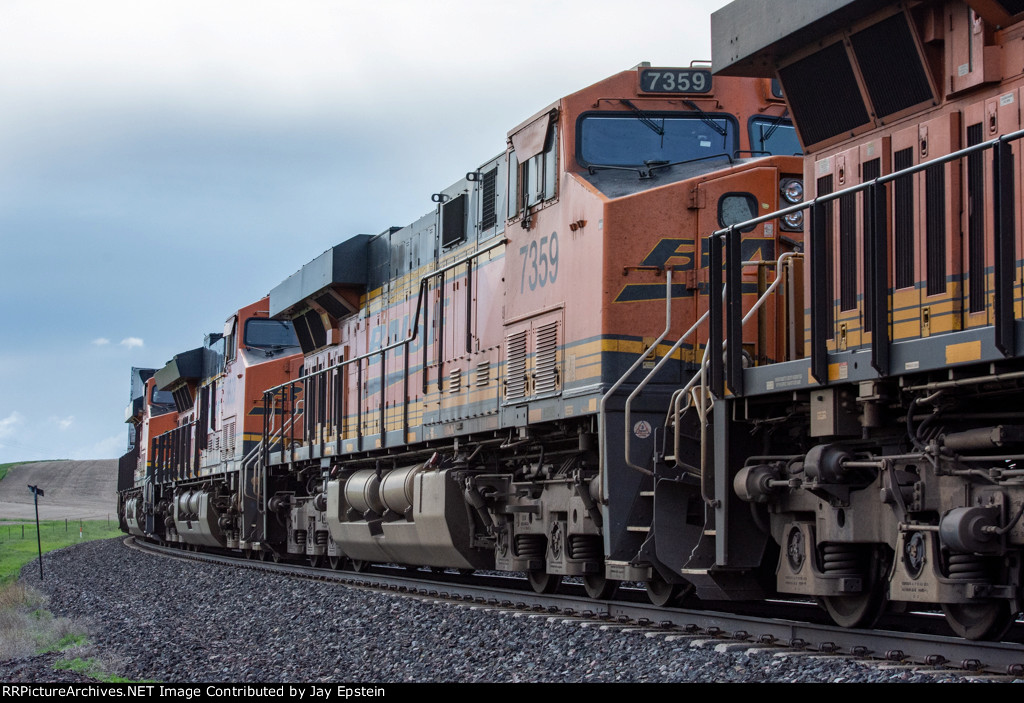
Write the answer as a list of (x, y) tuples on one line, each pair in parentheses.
[(675, 80)]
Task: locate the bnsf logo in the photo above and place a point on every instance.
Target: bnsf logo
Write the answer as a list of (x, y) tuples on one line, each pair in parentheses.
[(679, 254)]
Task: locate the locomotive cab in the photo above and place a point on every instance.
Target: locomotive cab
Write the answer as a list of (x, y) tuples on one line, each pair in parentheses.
[(887, 475)]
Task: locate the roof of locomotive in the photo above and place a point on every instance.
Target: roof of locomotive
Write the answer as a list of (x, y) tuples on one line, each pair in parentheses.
[(186, 366), (342, 264), (749, 36)]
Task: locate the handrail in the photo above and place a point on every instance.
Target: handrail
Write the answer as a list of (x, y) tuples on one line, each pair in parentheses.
[(643, 384), (415, 324), (881, 180), (602, 418)]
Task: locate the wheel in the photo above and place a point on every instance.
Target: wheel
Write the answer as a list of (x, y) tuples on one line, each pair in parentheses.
[(987, 620), (599, 587), (360, 565), (543, 582), (662, 593), (335, 562), (862, 609), (316, 561), (275, 557)]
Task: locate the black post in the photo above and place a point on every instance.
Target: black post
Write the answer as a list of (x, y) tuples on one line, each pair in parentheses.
[(36, 492)]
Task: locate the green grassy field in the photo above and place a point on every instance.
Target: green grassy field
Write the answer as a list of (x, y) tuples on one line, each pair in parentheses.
[(27, 627), (18, 544)]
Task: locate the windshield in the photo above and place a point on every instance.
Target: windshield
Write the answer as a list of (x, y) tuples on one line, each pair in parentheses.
[(774, 136), (269, 334), (162, 397), (610, 139)]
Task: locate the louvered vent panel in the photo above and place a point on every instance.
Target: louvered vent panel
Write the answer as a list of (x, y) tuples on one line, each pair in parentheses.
[(547, 358), (515, 368), (228, 440), (455, 381), (483, 373), (489, 216)]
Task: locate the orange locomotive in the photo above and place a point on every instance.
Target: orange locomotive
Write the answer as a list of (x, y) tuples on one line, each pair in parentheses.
[(200, 478), (463, 401), (150, 412), (888, 464)]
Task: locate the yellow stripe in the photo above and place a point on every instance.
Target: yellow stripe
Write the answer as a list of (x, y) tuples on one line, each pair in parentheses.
[(965, 351)]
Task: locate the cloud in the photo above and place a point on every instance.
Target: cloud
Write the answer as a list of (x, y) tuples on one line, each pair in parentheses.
[(7, 425), (109, 448), (63, 422), (131, 342), (101, 341)]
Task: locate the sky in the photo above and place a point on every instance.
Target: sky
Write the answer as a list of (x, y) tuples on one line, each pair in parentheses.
[(163, 164)]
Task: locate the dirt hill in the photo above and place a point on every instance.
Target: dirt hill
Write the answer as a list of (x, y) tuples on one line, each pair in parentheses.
[(73, 489)]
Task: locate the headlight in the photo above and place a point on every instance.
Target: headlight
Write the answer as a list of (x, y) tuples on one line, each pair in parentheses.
[(792, 190), (794, 220)]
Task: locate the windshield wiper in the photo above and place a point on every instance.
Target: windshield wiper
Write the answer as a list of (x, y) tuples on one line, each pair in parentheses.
[(706, 119), (666, 164), (645, 119), (651, 165)]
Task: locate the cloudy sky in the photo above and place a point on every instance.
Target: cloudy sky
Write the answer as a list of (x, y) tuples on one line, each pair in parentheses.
[(164, 163)]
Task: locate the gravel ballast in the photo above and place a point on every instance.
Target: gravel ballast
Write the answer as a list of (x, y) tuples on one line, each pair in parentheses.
[(161, 619)]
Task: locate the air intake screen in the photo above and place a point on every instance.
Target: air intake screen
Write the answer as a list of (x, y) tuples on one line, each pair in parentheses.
[(316, 328), (334, 307), (935, 227), (453, 222), (891, 66), (1012, 7), (871, 170), (975, 222), (823, 94), (824, 187), (489, 216), (848, 252), (903, 216)]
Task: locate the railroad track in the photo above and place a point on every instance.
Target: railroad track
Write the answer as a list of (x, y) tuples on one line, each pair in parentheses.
[(799, 628)]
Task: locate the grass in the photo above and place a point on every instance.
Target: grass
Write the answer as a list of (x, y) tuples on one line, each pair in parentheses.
[(93, 668), (27, 627), (18, 544), (4, 468)]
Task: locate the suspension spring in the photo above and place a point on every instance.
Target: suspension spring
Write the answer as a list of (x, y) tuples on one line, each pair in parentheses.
[(842, 559), (300, 536), (531, 546), (320, 538), (967, 567), (586, 547)]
